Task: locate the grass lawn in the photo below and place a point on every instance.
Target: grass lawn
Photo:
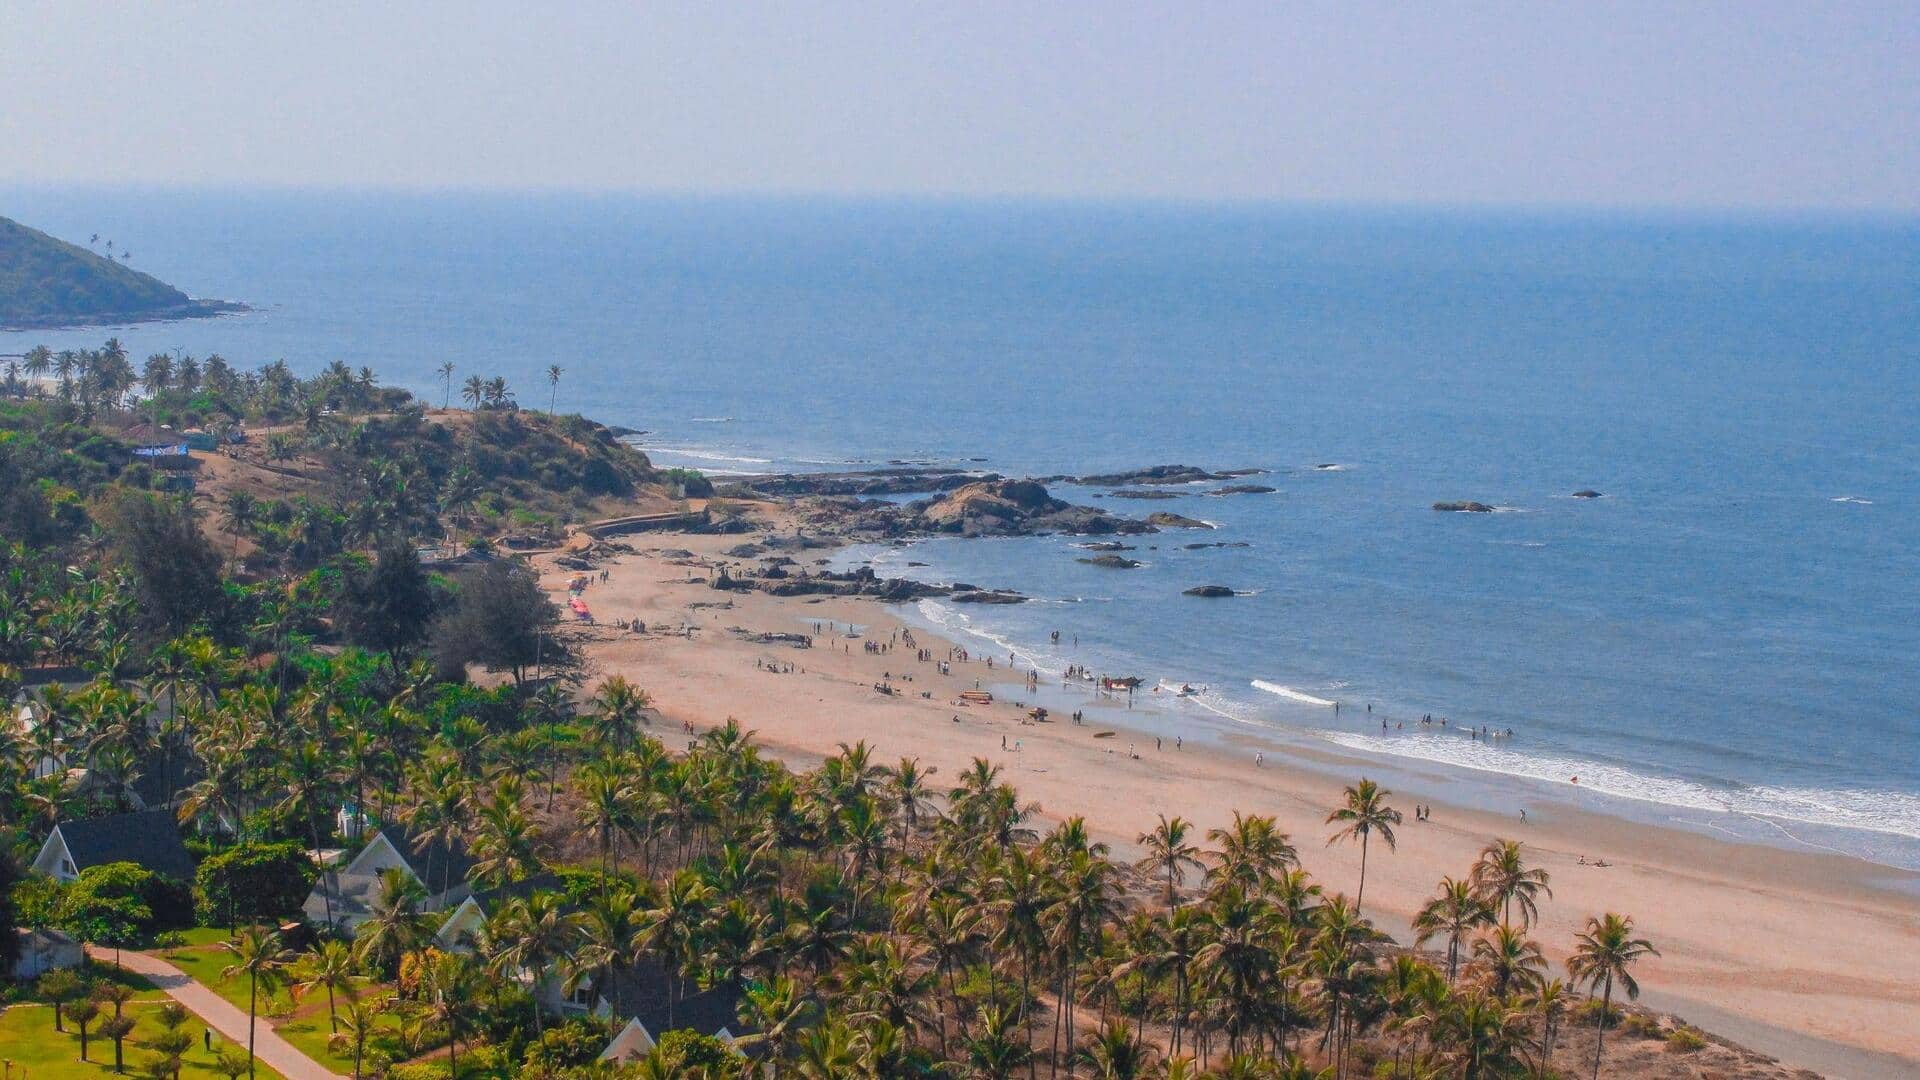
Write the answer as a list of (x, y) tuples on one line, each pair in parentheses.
[(309, 1030), (204, 962), (28, 1042)]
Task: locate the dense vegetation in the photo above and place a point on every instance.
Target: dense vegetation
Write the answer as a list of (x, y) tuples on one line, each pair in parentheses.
[(878, 924), (44, 281)]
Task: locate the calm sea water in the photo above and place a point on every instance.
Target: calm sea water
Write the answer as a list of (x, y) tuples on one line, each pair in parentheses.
[(1729, 638)]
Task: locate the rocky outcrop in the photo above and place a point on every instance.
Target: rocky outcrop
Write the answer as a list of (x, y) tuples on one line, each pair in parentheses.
[(1012, 508), (1210, 591), (1175, 521), (1463, 507), (983, 596), (1216, 544), (903, 480), (1242, 489), (1132, 493), (1157, 474), (1106, 545), (1586, 493), (1111, 562)]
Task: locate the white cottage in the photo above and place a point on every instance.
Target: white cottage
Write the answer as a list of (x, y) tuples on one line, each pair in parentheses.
[(441, 871)]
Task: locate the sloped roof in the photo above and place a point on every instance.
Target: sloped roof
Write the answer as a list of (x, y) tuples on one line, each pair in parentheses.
[(150, 838), (639, 992), (435, 862)]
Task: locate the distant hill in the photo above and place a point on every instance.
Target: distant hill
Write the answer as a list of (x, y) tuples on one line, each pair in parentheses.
[(46, 282)]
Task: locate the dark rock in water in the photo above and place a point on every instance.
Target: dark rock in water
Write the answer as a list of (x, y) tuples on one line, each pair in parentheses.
[(987, 598), (1106, 545), (1175, 521), (1111, 562), (1158, 474), (1208, 591), (1328, 466), (1587, 493), (1243, 489), (1216, 544), (1132, 494), (893, 480), (1463, 507)]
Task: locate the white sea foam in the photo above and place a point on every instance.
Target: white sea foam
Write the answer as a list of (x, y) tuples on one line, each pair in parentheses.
[(705, 455), (710, 420), (1891, 812), (1290, 693), (1854, 499)]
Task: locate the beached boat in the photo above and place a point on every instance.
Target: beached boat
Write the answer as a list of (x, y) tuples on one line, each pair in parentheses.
[(977, 697), (1130, 682)]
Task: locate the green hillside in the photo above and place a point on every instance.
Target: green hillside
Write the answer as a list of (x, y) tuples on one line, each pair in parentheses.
[(49, 282)]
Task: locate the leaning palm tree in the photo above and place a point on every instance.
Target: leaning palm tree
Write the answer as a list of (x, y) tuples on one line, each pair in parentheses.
[(1366, 812), (361, 1022), (1169, 853), (446, 373), (1502, 877), (1603, 954), (257, 954)]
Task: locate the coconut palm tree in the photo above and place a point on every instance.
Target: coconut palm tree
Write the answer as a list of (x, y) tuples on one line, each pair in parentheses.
[(1604, 954), (1502, 877), (1365, 813), (327, 966), (1509, 961), (995, 1053), (1250, 854), (448, 984), (536, 936), (361, 1023), (1454, 911), (395, 925), (258, 955), (1115, 1054), (474, 391), (446, 373), (554, 372), (1549, 1002), (1169, 853), (618, 711)]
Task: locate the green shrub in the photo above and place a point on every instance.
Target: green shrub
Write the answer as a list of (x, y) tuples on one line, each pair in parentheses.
[(117, 903), (1685, 1041)]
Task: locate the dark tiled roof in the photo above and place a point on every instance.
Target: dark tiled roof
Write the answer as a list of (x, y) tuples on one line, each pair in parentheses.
[(639, 992), (150, 838), (435, 863)]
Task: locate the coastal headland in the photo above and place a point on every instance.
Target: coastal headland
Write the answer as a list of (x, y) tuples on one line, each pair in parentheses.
[(1810, 957)]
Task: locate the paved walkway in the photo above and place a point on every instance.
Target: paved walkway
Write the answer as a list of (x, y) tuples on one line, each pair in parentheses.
[(220, 1014)]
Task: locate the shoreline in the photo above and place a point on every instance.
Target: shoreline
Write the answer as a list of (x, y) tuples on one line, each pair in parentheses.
[(1824, 974)]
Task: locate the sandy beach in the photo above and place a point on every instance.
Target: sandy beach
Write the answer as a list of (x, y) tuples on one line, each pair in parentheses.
[(1812, 958)]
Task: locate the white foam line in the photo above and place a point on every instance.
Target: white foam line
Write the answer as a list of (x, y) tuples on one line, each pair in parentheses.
[(1290, 693)]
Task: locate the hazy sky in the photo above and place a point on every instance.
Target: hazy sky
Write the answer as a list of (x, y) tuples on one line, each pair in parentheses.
[(1747, 105)]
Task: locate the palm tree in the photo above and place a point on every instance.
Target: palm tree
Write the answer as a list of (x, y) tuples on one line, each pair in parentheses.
[(1455, 911), (1603, 954), (1115, 1054), (1366, 812), (553, 383), (83, 1013), (778, 1013), (618, 710), (1169, 853), (257, 955), (994, 1053), (473, 391), (1084, 901), (360, 1022), (446, 372), (395, 926), (1251, 854), (1502, 877), (328, 966), (1509, 960), (240, 511), (448, 984), (536, 936), (1549, 1002)]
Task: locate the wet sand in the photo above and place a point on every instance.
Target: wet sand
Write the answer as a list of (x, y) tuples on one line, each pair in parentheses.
[(1813, 958)]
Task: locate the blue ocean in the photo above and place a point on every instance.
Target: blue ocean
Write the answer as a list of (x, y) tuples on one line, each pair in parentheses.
[(1728, 638)]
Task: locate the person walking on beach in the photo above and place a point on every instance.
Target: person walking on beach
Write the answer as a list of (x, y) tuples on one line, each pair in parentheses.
[(1259, 759)]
